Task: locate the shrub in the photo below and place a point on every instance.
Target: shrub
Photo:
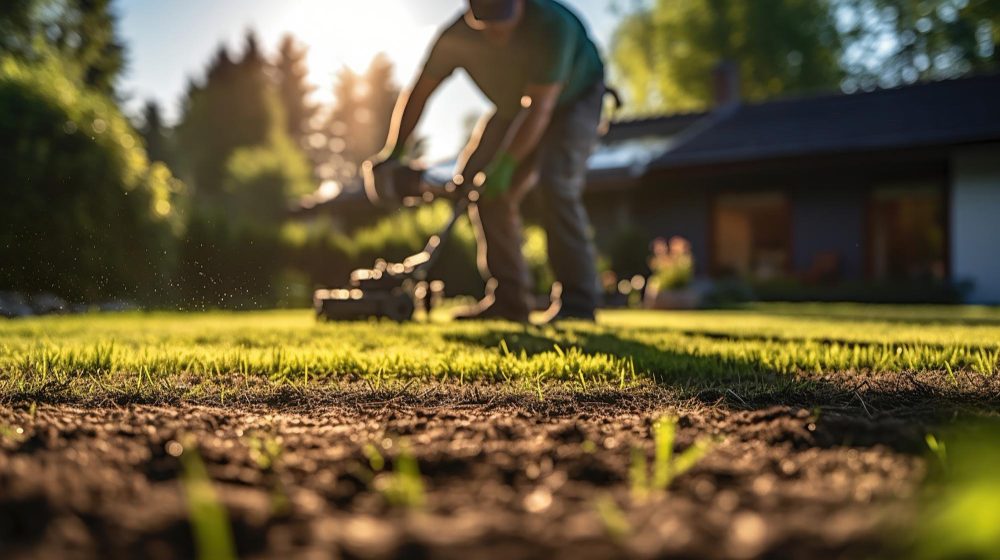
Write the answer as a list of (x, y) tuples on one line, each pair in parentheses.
[(261, 179), (629, 252), (328, 255), (236, 255), (84, 215)]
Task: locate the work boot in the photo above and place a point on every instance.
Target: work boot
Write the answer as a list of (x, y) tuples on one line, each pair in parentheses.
[(488, 309), (558, 313)]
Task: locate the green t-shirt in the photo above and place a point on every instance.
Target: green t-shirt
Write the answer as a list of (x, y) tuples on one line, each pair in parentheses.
[(550, 45)]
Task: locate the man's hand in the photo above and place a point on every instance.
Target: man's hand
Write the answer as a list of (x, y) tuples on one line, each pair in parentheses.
[(526, 132), (406, 115), (389, 153)]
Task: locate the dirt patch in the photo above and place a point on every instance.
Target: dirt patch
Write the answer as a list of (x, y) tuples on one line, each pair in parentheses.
[(503, 475)]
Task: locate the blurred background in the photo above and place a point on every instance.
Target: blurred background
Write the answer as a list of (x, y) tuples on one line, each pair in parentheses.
[(202, 155)]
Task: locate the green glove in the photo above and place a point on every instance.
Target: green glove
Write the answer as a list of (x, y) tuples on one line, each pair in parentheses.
[(396, 153), (499, 175)]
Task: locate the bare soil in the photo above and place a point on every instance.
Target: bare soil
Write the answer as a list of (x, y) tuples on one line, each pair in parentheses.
[(506, 475)]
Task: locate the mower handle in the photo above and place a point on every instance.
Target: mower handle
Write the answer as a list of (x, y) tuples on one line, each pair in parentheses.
[(421, 263)]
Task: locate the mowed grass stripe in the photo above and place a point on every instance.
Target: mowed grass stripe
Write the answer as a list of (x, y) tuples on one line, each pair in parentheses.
[(289, 346)]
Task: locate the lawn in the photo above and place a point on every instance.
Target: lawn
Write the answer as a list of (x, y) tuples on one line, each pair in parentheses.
[(819, 431), (143, 352)]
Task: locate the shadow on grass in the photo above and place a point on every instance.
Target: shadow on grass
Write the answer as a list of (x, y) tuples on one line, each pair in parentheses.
[(911, 315), (742, 383)]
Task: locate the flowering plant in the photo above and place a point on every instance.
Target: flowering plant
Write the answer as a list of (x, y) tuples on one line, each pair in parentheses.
[(672, 264)]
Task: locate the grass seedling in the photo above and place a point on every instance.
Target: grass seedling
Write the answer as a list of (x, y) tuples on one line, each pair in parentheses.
[(403, 486), (951, 374), (960, 513), (613, 519), (375, 459), (986, 362), (265, 450), (667, 466), (638, 475), (213, 536), (663, 438), (408, 487), (938, 448)]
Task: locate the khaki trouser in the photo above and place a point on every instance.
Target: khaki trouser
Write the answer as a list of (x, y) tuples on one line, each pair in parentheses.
[(559, 168)]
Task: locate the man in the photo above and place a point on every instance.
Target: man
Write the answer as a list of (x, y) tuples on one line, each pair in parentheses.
[(534, 61)]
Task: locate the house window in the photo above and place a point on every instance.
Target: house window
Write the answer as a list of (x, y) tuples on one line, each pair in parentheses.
[(908, 233), (752, 235)]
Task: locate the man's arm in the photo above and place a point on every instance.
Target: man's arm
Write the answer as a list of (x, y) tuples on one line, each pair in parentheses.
[(406, 115), (539, 104), (497, 161), (489, 137)]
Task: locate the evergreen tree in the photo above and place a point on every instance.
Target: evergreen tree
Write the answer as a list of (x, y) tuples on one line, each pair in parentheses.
[(293, 89), (229, 111), (93, 42), (347, 147), (156, 134), (360, 118)]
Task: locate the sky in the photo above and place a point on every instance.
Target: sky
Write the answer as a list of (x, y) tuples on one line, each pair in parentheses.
[(171, 41)]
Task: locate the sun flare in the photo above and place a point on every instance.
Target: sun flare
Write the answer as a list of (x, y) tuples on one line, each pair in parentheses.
[(351, 34)]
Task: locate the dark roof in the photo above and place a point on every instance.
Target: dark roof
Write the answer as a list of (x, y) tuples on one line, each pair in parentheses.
[(668, 125), (930, 114), (629, 146)]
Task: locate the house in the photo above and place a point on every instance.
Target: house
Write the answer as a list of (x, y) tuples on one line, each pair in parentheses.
[(890, 195), (894, 188)]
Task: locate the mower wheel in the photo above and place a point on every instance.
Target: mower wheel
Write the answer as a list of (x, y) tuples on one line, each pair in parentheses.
[(398, 307)]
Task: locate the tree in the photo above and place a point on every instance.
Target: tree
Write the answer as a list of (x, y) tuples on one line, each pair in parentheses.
[(82, 32), (360, 119), (156, 134), (84, 214), (229, 111), (234, 145), (664, 53), (17, 26), (90, 38), (293, 89), (889, 42)]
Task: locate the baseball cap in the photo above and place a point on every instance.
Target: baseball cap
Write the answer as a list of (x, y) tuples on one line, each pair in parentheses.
[(493, 10)]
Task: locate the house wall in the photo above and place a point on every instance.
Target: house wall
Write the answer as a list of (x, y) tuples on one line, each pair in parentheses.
[(829, 205), (829, 220), (975, 221), (666, 213), (609, 213)]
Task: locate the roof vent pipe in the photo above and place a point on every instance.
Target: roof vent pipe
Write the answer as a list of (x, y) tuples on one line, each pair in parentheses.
[(727, 84)]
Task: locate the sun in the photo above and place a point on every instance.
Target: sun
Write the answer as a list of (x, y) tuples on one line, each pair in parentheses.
[(349, 33)]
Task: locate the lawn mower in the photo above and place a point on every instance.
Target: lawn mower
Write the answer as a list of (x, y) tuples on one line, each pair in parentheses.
[(395, 290)]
